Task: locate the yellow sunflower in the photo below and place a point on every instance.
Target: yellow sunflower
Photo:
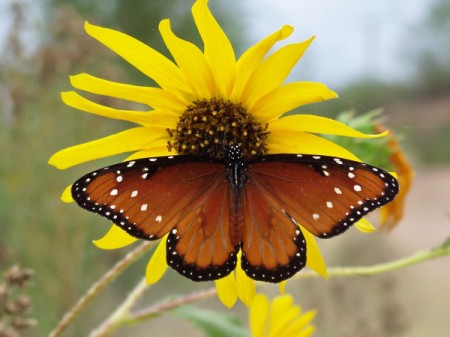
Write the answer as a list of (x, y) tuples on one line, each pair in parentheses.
[(198, 85)]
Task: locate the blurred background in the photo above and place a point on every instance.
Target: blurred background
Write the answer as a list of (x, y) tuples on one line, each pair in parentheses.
[(384, 54)]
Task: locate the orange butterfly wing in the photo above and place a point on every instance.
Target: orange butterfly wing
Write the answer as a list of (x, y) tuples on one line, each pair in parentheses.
[(273, 247), (325, 195), (149, 198)]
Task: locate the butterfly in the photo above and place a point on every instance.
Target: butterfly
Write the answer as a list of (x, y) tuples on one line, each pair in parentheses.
[(211, 209)]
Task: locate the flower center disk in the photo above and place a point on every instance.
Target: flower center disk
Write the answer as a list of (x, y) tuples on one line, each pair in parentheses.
[(207, 128)]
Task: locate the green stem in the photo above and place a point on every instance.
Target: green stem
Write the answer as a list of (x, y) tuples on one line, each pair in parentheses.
[(159, 309), (122, 314), (415, 258), (98, 286), (418, 257)]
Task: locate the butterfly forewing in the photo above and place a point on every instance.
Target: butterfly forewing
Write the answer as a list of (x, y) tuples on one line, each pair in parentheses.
[(326, 195)]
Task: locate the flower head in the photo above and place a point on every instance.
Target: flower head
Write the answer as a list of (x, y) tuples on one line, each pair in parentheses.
[(392, 213), (206, 101), (281, 318)]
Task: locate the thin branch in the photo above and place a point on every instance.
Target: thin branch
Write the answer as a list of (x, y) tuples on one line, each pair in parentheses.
[(160, 308), (418, 257), (98, 286), (124, 316), (122, 313)]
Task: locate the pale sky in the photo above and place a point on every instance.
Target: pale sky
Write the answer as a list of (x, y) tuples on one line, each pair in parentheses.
[(354, 38)]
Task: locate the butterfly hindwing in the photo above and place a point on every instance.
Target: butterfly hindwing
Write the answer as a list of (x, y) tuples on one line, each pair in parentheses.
[(273, 246), (326, 195), (200, 245)]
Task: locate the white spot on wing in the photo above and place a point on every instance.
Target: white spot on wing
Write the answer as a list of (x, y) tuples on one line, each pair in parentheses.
[(134, 193), (357, 188), (316, 216), (329, 204), (144, 207), (158, 218), (131, 163), (114, 192), (119, 179), (337, 190)]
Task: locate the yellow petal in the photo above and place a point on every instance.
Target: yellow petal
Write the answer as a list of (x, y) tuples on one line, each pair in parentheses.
[(307, 331), (282, 286), (218, 49), (227, 290), (191, 62), (394, 174), (67, 194), (157, 265), (318, 124), (157, 98), (167, 120), (271, 73), (252, 57), (288, 97), (245, 285), (283, 141), (125, 141), (314, 259), (281, 306), (158, 149), (298, 327), (150, 62), (115, 238), (365, 226), (288, 316), (259, 314)]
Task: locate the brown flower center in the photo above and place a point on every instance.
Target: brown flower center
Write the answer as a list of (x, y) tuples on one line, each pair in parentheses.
[(208, 128)]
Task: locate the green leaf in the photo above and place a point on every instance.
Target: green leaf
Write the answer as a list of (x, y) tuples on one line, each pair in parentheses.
[(213, 324), (373, 151)]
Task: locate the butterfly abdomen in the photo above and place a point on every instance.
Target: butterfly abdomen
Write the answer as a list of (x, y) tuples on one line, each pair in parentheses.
[(236, 216), (237, 176)]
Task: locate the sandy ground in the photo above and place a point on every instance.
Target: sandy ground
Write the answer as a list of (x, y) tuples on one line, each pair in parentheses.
[(426, 224)]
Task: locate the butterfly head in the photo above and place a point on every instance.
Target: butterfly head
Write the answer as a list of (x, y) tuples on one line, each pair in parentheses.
[(236, 167)]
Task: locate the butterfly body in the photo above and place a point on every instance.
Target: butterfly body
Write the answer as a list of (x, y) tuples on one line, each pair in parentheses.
[(214, 208), (236, 175)]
